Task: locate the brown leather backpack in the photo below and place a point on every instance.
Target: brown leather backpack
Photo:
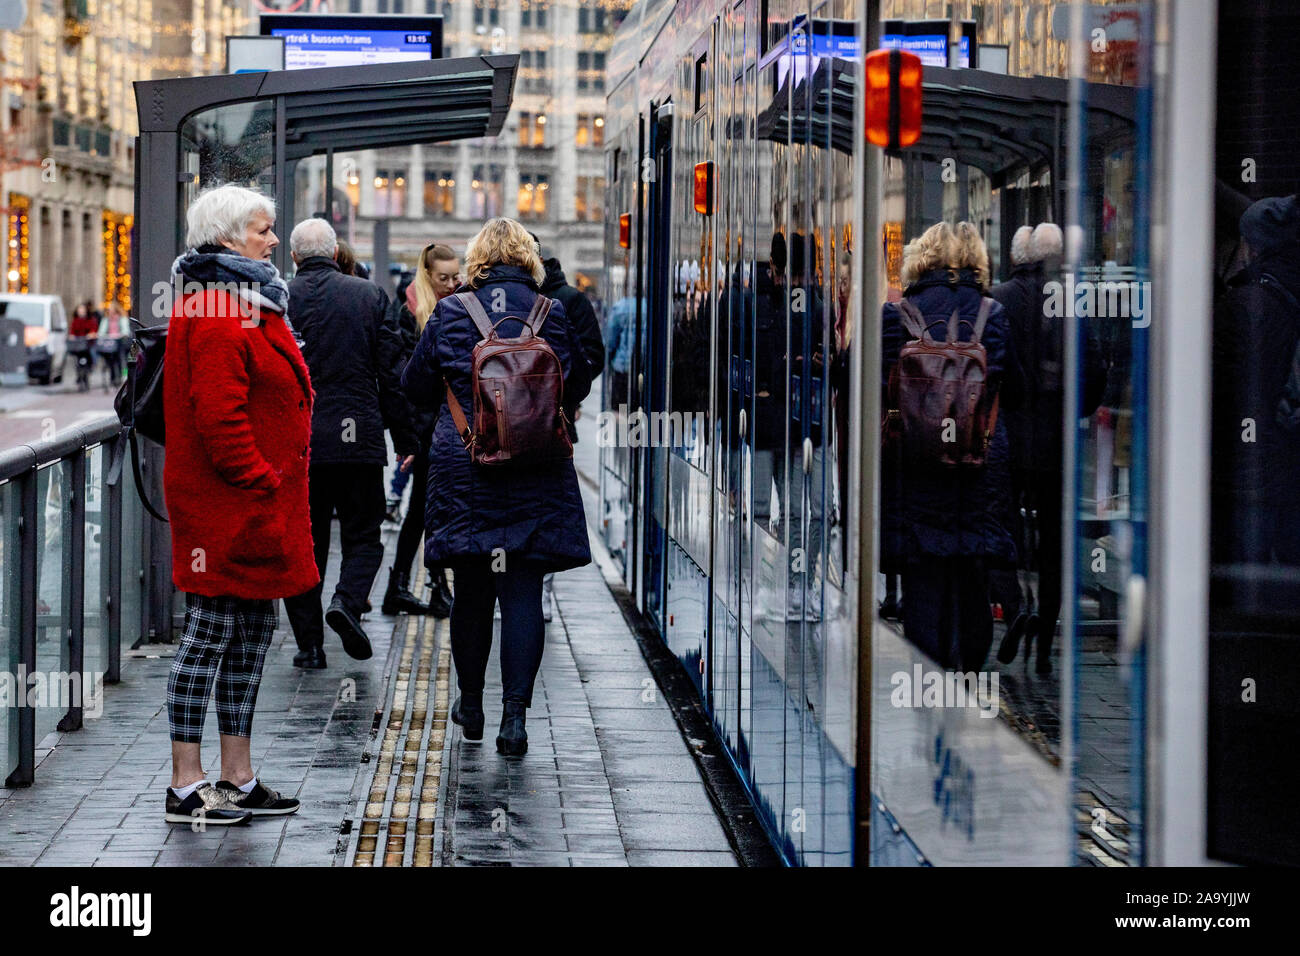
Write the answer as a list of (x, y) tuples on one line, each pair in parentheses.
[(518, 387), (944, 406)]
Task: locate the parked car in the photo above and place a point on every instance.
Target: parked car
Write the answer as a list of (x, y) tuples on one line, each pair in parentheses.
[(46, 333)]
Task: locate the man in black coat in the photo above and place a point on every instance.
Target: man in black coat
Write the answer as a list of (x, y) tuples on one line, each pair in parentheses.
[(580, 312), (354, 354), (583, 318)]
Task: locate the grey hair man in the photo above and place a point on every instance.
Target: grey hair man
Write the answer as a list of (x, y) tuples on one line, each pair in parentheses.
[(354, 355), (313, 237), (1021, 246)]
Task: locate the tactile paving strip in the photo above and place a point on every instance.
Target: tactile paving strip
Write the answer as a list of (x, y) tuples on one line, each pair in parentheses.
[(408, 769)]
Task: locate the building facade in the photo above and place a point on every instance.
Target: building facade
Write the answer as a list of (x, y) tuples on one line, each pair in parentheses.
[(69, 131), (546, 168)]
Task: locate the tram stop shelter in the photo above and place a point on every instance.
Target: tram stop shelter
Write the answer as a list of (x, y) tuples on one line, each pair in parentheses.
[(254, 129)]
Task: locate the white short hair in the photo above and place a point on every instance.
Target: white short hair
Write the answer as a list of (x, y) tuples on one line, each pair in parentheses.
[(313, 237), (1047, 242), (223, 214), (1021, 247)]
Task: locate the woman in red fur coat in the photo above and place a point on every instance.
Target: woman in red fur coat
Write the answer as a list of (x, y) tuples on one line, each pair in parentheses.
[(238, 403)]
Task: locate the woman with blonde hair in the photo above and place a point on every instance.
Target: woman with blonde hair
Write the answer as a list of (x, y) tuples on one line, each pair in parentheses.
[(942, 526), (436, 276), (499, 529)]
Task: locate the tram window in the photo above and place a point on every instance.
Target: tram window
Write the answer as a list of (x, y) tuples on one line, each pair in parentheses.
[(1254, 608)]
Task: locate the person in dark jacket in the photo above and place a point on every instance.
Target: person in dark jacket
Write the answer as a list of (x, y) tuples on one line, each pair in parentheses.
[(395, 316), (354, 356), (1036, 421), (437, 275), (583, 318), (500, 529), (1255, 450), (946, 533), (1021, 298)]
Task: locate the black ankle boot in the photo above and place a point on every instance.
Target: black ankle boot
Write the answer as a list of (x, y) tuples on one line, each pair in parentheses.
[(468, 713), (440, 579), (438, 607), (513, 738), (398, 599)]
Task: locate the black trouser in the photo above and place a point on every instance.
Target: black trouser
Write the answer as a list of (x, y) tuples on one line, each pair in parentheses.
[(523, 633), (1046, 497), (356, 493), (946, 610), (408, 539)]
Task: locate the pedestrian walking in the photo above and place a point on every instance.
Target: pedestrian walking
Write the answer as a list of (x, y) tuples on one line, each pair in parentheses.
[(82, 332), (355, 359), (583, 318), (437, 276), (238, 400), (499, 527), (112, 332)]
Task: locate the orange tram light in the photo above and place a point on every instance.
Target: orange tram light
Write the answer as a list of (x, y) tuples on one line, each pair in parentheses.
[(893, 98), (625, 230), (704, 188)]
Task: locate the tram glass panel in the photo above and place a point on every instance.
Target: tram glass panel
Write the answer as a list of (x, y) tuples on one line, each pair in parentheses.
[(1107, 535), (228, 144), (620, 326), (687, 558), (728, 330), (1254, 607), (970, 555), (769, 554), (837, 631)]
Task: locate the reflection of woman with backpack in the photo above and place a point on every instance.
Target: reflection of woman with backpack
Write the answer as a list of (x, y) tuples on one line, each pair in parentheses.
[(945, 456), (503, 504)]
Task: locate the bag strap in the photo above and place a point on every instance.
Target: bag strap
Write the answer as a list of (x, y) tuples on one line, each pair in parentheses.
[(481, 321), (1269, 282), (458, 416), (913, 321), (537, 317), (139, 478)]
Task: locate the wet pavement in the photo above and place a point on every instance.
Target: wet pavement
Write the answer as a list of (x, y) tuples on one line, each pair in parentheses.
[(384, 777)]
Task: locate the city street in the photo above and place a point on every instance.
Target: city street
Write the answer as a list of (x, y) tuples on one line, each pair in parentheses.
[(31, 413)]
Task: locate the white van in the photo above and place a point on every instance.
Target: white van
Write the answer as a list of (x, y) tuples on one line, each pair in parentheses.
[(46, 333)]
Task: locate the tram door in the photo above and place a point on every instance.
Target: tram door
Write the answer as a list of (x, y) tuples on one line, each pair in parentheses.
[(654, 355)]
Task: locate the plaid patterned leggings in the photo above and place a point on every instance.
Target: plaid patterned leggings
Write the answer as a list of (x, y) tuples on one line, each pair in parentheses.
[(226, 638)]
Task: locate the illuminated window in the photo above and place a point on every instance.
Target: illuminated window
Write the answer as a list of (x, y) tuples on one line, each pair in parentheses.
[(439, 193), (533, 189), (390, 192), (591, 130), (589, 198), (532, 129), (485, 192)]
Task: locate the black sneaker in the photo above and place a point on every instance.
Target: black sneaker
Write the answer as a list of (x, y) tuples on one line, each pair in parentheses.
[(260, 801), (207, 805), (355, 642)]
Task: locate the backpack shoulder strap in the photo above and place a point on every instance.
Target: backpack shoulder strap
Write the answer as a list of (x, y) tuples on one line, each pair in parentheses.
[(986, 306), (537, 316), (480, 318), (458, 416), (913, 321)]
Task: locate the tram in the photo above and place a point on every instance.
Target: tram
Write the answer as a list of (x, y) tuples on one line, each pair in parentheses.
[(753, 234)]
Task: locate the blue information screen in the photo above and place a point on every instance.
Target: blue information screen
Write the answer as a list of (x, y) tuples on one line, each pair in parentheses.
[(315, 48)]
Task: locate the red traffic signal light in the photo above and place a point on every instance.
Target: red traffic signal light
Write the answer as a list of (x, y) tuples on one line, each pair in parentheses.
[(893, 98)]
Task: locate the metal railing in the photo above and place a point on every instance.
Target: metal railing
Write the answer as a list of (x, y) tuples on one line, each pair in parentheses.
[(75, 549)]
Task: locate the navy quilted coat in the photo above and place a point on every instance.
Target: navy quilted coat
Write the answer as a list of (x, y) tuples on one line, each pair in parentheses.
[(929, 512), (534, 514)]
